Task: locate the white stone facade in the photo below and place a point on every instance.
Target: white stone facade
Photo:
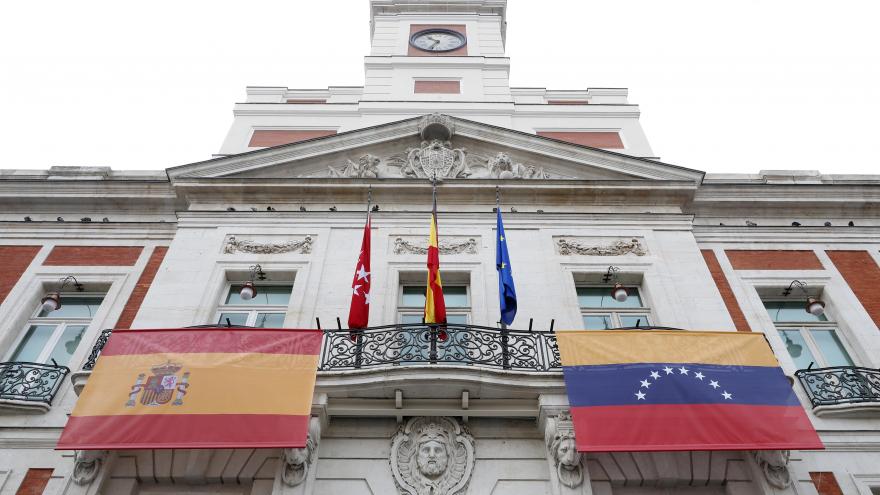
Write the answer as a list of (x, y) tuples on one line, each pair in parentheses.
[(283, 208)]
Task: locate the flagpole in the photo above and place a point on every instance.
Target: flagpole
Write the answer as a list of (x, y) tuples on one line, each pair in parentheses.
[(498, 210)]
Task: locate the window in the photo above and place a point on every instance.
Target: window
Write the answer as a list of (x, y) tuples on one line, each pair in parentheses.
[(809, 339), (52, 338), (265, 310), (600, 311), (412, 303)]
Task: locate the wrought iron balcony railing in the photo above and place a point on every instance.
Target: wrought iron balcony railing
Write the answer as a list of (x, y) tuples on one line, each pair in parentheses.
[(840, 385), (448, 344), (30, 382), (391, 345)]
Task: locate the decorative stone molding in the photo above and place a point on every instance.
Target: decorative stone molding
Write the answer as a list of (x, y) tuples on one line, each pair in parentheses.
[(563, 451), (234, 245), (403, 246), (87, 464), (367, 167), (432, 456), (295, 462), (774, 464), (436, 126), (570, 246)]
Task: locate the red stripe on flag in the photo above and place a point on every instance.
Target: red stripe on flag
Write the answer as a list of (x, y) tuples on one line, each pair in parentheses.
[(191, 431), (665, 427), (227, 340), (436, 289)]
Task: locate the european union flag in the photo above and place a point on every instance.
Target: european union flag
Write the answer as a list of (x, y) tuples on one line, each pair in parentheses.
[(506, 291)]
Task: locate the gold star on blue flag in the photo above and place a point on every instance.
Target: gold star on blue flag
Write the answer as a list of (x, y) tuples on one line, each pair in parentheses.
[(506, 290)]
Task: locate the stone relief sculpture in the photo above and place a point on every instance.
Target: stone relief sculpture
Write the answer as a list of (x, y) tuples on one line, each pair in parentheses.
[(367, 167), (402, 246), (86, 465), (435, 158), (432, 456), (296, 462), (563, 452), (567, 246), (774, 464), (234, 245)]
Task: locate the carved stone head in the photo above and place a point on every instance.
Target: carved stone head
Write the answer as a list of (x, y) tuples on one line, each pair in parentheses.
[(432, 456), (565, 451)]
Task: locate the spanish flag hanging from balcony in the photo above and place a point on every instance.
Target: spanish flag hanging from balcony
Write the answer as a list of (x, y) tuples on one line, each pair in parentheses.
[(435, 306), (197, 388), (680, 390)]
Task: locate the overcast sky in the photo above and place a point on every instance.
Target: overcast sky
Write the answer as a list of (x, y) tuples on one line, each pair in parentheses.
[(723, 87)]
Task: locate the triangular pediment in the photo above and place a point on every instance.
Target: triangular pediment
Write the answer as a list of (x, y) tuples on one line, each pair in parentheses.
[(435, 146)]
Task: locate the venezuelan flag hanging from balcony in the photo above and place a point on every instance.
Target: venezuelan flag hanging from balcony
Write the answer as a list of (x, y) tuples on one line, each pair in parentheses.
[(197, 388), (680, 390)]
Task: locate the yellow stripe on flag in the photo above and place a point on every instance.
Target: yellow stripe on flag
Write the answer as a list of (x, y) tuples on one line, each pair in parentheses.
[(596, 347), (218, 383)]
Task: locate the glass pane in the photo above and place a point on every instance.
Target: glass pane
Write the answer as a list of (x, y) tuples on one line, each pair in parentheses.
[(631, 320), (34, 341), (791, 311), (456, 319), (411, 318), (234, 319), (455, 296), (278, 295), (831, 348), (597, 322), (67, 344), (75, 307), (600, 297), (270, 320), (797, 349)]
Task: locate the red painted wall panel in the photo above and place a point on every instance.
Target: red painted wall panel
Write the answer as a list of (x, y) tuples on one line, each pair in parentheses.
[(444, 87), (742, 259), (35, 481), (736, 314), (93, 256), (140, 289), (266, 138), (863, 276), (608, 140), (14, 260), (825, 483)]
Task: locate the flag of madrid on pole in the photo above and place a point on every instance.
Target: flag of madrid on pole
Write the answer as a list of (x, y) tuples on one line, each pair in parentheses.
[(680, 390), (359, 312)]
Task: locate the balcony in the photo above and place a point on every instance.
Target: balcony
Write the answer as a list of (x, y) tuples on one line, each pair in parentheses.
[(394, 345), (29, 386), (842, 391)]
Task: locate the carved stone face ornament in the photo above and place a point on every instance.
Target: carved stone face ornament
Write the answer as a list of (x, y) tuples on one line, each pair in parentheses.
[(432, 456)]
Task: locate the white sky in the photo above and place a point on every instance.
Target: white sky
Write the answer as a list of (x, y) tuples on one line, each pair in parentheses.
[(723, 87)]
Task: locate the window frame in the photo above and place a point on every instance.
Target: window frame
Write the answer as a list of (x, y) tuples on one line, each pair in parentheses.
[(420, 310), (251, 310), (805, 329), (60, 323), (614, 313)]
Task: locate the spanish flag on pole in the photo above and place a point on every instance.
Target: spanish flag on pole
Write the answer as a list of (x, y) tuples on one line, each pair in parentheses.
[(435, 306)]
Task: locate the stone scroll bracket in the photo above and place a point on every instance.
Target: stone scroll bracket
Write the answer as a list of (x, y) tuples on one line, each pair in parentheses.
[(568, 473), (90, 472), (297, 467)]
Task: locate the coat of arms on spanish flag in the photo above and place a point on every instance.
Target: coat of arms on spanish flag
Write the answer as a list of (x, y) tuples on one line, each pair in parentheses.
[(198, 388)]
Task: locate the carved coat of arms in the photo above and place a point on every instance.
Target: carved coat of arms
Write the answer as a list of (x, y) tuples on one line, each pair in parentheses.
[(436, 159), (160, 387)]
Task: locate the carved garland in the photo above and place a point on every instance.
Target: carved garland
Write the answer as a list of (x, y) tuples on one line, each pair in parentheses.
[(402, 246), (568, 247), (234, 245)]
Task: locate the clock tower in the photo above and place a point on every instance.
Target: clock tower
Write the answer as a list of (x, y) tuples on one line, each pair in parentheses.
[(437, 51)]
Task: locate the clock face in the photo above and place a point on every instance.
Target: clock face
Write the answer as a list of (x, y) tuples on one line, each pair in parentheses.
[(437, 40)]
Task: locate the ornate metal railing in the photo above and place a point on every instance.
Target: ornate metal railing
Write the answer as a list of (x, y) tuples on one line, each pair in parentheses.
[(30, 382), (840, 385), (391, 345), (430, 344), (96, 350)]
